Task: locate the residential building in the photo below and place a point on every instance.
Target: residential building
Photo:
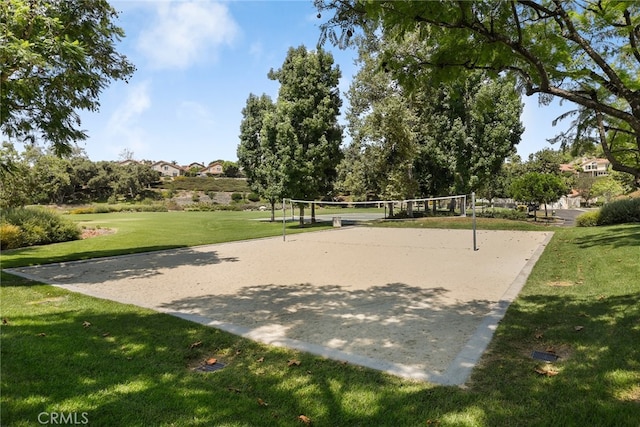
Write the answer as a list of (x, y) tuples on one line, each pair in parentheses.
[(595, 167), (168, 169), (214, 168)]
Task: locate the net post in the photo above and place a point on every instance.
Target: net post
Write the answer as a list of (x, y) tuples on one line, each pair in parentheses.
[(284, 219), (473, 210)]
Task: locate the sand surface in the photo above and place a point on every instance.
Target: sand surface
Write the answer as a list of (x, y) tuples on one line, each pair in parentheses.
[(408, 301)]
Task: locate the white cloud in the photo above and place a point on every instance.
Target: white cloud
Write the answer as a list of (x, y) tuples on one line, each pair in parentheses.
[(194, 111), (123, 124), (184, 33)]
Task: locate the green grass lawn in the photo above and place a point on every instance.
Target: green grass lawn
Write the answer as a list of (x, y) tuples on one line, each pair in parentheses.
[(121, 365)]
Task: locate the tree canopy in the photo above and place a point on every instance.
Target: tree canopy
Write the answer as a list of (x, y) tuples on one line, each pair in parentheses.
[(57, 56), (585, 52), (431, 141)]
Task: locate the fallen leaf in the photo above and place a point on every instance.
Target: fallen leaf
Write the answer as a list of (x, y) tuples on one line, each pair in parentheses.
[(262, 402), (305, 419), (86, 324), (538, 335), (601, 297), (432, 422), (578, 328), (42, 334), (550, 350), (5, 321), (211, 361), (549, 372), (106, 334), (293, 362), (195, 344), (233, 389), (238, 351), (260, 360)]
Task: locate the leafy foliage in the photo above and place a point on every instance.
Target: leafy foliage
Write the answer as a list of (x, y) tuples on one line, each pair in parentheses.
[(35, 226), (304, 125), (538, 188), (588, 219), (56, 58), (42, 177), (620, 212), (434, 140), (585, 52)]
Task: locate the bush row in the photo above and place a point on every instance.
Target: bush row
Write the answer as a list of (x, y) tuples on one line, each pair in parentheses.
[(22, 227), (207, 184), (210, 207), (118, 208), (618, 212), (514, 214)]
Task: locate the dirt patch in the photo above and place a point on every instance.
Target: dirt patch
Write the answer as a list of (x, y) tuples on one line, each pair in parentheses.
[(560, 284), (88, 233)]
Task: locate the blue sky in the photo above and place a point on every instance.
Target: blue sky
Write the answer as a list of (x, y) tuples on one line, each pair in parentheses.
[(198, 61)]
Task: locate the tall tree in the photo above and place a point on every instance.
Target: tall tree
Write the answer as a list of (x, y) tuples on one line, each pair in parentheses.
[(586, 52), (436, 139), (304, 125), (257, 152), (57, 56)]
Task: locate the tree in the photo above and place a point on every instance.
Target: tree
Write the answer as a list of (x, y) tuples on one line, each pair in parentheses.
[(545, 161), (15, 188), (436, 139), (606, 187), (304, 128), (230, 169), (257, 151), (538, 188), (586, 52), (56, 57), (584, 186)]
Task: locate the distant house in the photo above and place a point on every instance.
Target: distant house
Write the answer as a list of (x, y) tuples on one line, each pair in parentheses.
[(595, 167), (214, 168), (194, 165), (168, 169), (568, 167), (128, 162)]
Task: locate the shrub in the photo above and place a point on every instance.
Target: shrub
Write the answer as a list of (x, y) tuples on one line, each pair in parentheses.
[(253, 197), (588, 219), (10, 236), (195, 197), (41, 226), (620, 212), (236, 197), (511, 214), (83, 210)]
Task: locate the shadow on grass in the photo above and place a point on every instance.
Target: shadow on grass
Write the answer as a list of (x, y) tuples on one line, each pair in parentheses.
[(598, 369), (131, 367), (613, 236)]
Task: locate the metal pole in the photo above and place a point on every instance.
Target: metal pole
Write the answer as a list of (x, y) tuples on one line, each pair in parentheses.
[(473, 210), (284, 219)]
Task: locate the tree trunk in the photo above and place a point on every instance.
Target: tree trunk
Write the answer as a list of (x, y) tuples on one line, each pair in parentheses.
[(301, 214), (391, 210), (313, 213), (273, 211), (410, 209)]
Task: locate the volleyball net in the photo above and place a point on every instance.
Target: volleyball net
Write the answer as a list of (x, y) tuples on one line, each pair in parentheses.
[(371, 210)]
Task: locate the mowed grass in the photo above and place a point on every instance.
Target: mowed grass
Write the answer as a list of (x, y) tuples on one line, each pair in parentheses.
[(121, 365)]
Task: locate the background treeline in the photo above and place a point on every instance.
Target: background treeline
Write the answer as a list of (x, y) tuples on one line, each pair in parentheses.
[(39, 177)]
